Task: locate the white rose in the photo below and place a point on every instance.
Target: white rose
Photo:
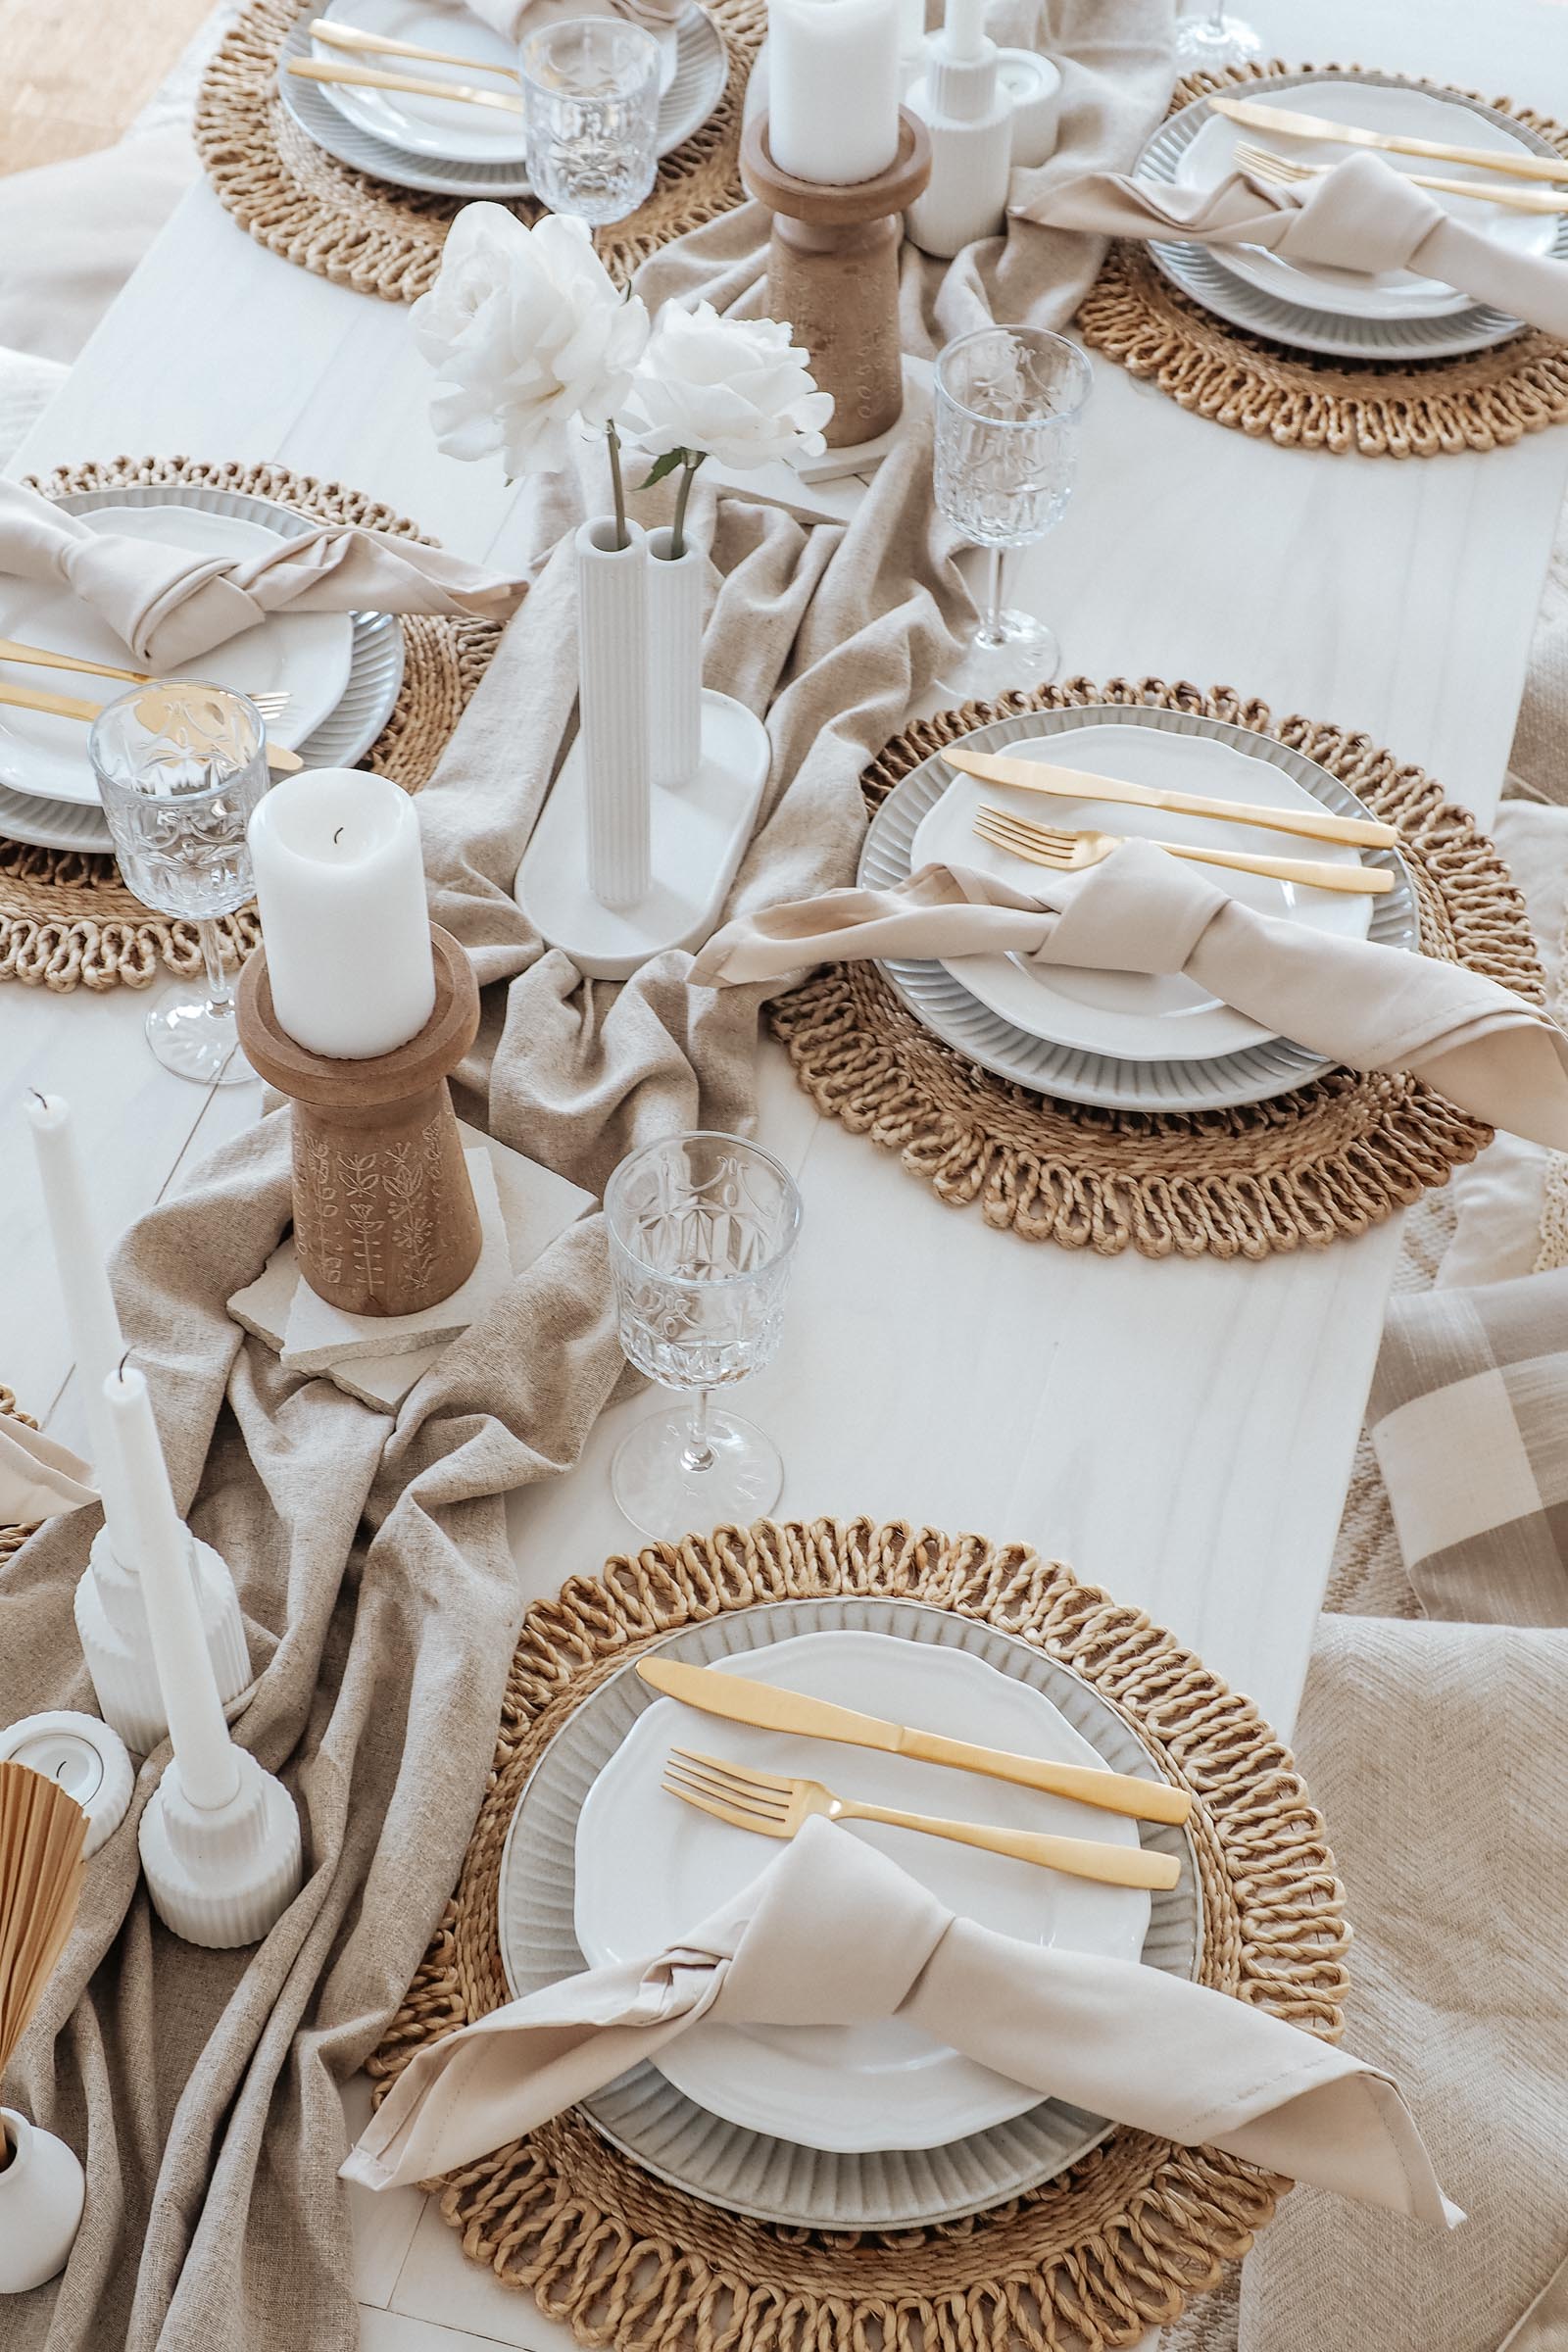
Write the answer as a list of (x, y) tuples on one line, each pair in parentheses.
[(525, 331), (735, 389)]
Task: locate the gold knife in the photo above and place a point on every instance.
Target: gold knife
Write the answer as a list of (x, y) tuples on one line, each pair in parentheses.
[(281, 761), (1066, 783), (369, 78), (739, 1700), (1389, 143)]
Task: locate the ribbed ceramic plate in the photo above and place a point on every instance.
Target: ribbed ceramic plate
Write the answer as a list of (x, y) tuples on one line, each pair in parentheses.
[(747, 2171), (1200, 273), (701, 69), (346, 734), (947, 1008)]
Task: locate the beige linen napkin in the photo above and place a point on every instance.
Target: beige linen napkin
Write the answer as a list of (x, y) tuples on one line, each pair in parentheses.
[(836, 1934), (171, 607), (1372, 1008), (511, 18), (1359, 216), (37, 1477)]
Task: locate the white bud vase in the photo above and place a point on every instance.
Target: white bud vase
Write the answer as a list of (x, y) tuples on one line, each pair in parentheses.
[(613, 680), (675, 658), (42, 2190)]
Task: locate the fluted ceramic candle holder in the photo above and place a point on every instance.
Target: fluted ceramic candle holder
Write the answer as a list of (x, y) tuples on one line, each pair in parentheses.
[(833, 272), (118, 1645), (385, 1215)]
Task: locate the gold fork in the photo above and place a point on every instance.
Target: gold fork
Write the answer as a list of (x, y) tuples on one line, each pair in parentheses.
[(1285, 171), (1069, 853), (379, 45), (776, 1807), (369, 78), (280, 759), (272, 704)]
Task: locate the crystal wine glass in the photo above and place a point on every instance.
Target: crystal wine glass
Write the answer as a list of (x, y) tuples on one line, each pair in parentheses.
[(590, 102), (180, 764), (1008, 404), (702, 1235), (1207, 37)]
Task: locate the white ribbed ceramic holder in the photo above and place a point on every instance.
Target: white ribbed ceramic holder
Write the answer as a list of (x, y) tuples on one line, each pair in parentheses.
[(613, 715), (221, 1877), (674, 657), (111, 1626), (42, 2190), (83, 1755)]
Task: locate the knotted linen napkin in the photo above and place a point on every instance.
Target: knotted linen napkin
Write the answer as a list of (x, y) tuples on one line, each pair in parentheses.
[(511, 18), (38, 1478), (836, 1934), (171, 606), (1350, 1000), (1361, 215)]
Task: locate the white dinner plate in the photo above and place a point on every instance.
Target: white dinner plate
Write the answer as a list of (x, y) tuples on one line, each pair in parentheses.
[(450, 130), (1391, 294), (1130, 1014), (306, 655), (648, 1866)]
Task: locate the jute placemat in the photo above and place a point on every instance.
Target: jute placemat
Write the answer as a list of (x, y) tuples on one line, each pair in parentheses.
[(1313, 1166), (1404, 409), (66, 920), (1114, 2246), (366, 233)]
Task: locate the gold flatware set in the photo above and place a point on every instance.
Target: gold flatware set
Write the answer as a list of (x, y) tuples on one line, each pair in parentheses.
[(1283, 170), (775, 1806), (272, 706), (1288, 124), (1071, 853), (375, 78)]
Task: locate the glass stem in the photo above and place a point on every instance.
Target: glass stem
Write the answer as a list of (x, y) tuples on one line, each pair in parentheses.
[(699, 1454), (220, 988), (990, 626)]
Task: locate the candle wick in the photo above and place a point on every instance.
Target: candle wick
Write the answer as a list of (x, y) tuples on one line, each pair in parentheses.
[(338, 837), (119, 1369), (39, 1098)]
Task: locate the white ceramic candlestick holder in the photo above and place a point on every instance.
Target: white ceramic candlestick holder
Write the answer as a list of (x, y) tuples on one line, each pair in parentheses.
[(222, 1875), (118, 1644), (42, 2191)]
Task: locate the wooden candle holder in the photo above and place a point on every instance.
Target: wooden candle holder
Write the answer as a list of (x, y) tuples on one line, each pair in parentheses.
[(833, 272), (384, 1216)]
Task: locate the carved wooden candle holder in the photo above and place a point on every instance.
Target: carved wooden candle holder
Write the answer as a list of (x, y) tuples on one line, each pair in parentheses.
[(385, 1215), (833, 272)]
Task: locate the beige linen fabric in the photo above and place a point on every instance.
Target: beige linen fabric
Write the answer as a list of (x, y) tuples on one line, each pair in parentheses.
[(1362, 216), (511, 18), (1439, 1756), (71, 233), (171, 607), (38, 1477), (833, 1933), (1370, 1007)]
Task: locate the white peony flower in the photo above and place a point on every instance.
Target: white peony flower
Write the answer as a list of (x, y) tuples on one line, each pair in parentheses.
[(734, 389), (526, 331)]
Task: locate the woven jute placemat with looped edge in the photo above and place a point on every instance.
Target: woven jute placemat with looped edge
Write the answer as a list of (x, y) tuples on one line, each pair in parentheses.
[(1114, 2246), (1313, 1166), (379, 240), (67, 920), (1404, 410)]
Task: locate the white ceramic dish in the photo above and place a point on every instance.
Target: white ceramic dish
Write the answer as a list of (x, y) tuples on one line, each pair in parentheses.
[(1200, 273), (1391, 294), (1139, 1018), (701, 69), (753, 2173), (956, 1015), (648, 1866), (449, 130), (304, 653)]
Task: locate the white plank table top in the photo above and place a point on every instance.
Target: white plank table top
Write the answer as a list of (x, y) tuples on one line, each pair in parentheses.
[(1182, 1431)]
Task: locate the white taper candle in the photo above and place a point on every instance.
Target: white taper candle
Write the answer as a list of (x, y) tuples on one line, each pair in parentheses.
[(160, 1545), (340, 885), (833, 88), (90, 1318)]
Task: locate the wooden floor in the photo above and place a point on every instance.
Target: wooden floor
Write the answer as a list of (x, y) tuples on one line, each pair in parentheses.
[(75, 73)]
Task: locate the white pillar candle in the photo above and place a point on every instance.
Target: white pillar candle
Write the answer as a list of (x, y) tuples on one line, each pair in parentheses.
[(160, 1543), (340, 884), (833, 88), (90, 1318)]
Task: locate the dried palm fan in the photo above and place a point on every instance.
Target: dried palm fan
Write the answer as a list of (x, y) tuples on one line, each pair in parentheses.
[(42, 1835)]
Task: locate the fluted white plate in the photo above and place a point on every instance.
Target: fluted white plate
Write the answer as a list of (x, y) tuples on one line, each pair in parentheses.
[(754, 2172), (343, 736), (1202, 274), (1073, 1073), (701, 69)]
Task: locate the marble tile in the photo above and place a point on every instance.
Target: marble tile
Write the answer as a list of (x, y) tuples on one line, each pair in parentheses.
[(438, 2282)]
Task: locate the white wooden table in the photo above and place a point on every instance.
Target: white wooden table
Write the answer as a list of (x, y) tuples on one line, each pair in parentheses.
[(1181, 1432)]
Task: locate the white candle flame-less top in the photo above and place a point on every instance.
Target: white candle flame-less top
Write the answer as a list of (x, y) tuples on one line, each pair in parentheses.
[(833, 84), (340, 884)]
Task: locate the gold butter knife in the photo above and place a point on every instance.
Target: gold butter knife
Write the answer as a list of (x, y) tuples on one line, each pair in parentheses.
[(281, 761), (1349, 134), (369, 78), (738, 1700), (1066, 783)]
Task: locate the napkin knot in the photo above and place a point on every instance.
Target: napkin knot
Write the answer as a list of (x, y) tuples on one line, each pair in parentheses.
[(1360, 207), (806, 1956)]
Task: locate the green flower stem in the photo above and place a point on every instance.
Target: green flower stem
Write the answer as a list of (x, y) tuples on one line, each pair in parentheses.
[(616, 486), (690, 462)]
